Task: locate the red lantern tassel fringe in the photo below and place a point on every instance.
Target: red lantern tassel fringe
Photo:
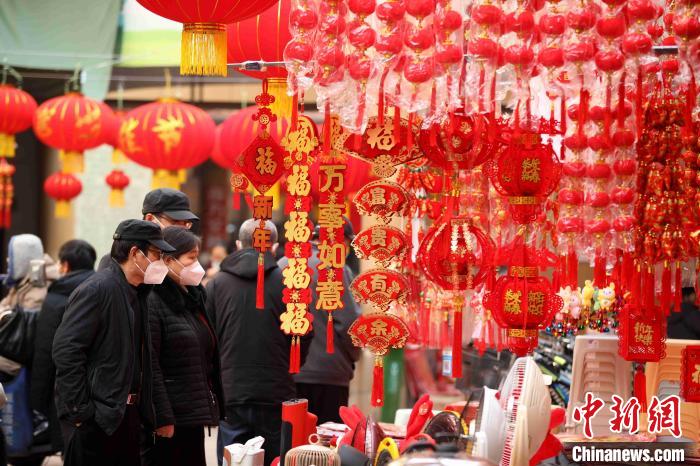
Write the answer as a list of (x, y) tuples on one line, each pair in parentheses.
[(295, 356), (666, 289), (260, 291), (572, 265), (678, 293), (327, 129), (640, 387), (627, 274), (457, 342), (599, 276), (378, 382), (649, 289), (329, 334)]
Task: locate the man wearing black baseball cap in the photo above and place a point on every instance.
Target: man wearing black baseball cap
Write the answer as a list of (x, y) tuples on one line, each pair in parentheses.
[(164, 207), (168, 207), (102, 352)]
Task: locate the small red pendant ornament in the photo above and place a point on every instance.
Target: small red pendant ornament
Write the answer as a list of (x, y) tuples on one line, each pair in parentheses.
[(690, 374), (380, 288), (62, 187), (384, 244), (378, 333), (262, 163), (300, 145), (383, 199), (384, 145)]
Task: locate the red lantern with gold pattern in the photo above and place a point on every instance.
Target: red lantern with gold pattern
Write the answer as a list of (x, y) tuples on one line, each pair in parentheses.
[(263, 38), (380, 288), (16, 112), (117, 182), (690, 374), (384, 244), (167, 136), (62, 187), (451, 145), (71, 123), (527, 171), (203, 47), (378, 333)]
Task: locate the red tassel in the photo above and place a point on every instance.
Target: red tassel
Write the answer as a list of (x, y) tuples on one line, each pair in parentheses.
[(678, 295), (640, 387), (666, 290), (650, 289), (599, 275), (260, 291), (409, 135), (563, 118), (627, 274), (329, 334), (378, 382), (638, 114), (457, 342), (292, 356), (381, 98), (295, 111), (297, 355), (397, 115), (572, 273), (236, 201)]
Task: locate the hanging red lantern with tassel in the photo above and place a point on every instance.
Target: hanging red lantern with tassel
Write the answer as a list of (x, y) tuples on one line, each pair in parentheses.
[(62, 187), (167, 136), (378, 333), (203, 47), (71, 123), (16, 112), (117, 182)]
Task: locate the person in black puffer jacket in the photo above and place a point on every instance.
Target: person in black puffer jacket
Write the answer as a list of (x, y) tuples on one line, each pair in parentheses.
[(187, 390), (76, 264)]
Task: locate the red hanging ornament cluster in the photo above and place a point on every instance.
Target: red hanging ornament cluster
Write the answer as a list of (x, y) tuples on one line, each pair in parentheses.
[(62, 187)]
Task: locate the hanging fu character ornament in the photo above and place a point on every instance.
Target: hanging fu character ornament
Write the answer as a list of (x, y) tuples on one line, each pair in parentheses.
[(384, 244), (262, 163), (378, 333)]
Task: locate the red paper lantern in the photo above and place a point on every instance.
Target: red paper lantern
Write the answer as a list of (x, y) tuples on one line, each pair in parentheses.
[(527, 171), (16, 112), (203, 48), (62, 187), (167, 136), (263, 38), (71, 123), (117, 182)]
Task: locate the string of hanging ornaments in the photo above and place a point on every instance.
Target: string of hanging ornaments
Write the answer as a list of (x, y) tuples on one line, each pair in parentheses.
[(512, 142)]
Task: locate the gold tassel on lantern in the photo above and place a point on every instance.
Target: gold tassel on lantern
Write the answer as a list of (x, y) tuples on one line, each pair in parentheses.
[(7, 145), (167, 179), (203, 49), (71, 161), (63, 209), (116, 198), (118, 157), (282, 106)]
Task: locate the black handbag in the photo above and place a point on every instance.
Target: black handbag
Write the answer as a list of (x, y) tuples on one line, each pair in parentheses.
[(17, 329)]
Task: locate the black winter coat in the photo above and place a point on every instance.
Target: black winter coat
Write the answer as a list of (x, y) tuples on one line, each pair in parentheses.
[(94, 352), (183, 395), (684, 325), (43, 369), (254, 351)]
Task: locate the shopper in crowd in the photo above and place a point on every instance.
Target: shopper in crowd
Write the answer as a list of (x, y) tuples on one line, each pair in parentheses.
[(102, 352), (187, 391), (165, 207), (216, 256), (29, 273), (325, 378), (76, 264), (686, 323), (254, 351)]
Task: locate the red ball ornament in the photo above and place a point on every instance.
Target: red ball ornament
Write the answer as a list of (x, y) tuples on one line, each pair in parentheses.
[(579, 52), (551, 57), (687, 27), (570, 196), (420, 8), (450, 55), (299, 51), (332, 24), (361, 35), (62, 187), (391, 12), (574, 169), (303, 19), (332, 57), (624, 138), (623, 223), (621, 195), (599, 171), (359, 67), (448, 21), (418, 72), (486, 14), (483, 48), (552, 24), (419, 40), (576, 142), (570, 225), (641, 10), (519, 55), (598, 226), (390, 45), (609, 60), (118, 182), (581, 20), (362, 8), (611, 27), (598, 199), (520, 22)]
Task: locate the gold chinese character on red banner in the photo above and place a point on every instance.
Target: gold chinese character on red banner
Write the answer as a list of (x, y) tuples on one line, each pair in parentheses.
[(298, 183), (330, 215), (329, 295), (331, 255), (262, 207), (296, 274), (643, 333), (294, 320), (297, 228), (262, 241), (333, 178)]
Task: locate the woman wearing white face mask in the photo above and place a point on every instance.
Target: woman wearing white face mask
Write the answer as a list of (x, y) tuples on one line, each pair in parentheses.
[(186, 377)]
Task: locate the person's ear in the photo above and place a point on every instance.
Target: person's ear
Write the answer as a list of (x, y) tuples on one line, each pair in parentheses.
[(239, 245), (150, 218), (274, 247)]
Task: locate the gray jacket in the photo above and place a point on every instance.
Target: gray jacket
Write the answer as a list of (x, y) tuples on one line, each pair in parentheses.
[(320, 367)]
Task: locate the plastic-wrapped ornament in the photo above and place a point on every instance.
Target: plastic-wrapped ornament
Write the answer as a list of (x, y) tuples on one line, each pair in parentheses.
[(299, 51)]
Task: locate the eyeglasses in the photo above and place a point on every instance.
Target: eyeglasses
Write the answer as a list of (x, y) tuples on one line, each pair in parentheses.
[(180, 223), (156, 252)]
